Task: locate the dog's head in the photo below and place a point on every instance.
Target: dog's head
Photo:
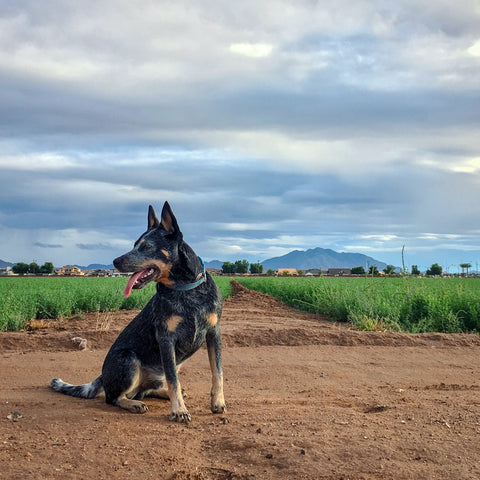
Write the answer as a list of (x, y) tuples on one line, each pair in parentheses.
[(154, 253)]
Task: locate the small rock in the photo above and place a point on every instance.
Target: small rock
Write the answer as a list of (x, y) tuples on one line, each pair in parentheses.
[(82, 342), (15, 416), (268, 455)]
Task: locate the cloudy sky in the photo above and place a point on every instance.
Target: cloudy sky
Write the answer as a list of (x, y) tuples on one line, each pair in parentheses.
[(269, 126)]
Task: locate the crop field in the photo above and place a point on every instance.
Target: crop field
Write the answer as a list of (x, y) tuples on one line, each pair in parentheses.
[(22, 299), (401, 304)]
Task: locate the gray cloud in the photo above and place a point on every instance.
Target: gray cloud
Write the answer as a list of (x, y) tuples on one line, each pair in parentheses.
[(47, 245), (93, 246)]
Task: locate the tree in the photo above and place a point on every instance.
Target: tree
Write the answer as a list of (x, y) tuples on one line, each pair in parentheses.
[(373, 270), (358, 271), (464, 266), (270, 272), (241, 266), (228, 267), (34, 268), (415, 270), (389, 269), (435, 269), (256, 268), (20, 268), (47, 268)]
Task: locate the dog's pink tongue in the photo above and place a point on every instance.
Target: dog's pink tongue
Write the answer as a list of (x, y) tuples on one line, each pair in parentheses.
[(131, 282)]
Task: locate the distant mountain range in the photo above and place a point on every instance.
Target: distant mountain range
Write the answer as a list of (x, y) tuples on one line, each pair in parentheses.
[(95, 266), (300, 259), (321, 258)]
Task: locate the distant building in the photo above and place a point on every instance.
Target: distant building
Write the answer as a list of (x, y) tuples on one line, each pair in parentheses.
[(287, 271), (339, 271), (215, 271), (98, 272), (6, 271), (69, 270)]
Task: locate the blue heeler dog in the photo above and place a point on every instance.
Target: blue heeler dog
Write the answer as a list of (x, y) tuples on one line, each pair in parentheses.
[(183, 314)]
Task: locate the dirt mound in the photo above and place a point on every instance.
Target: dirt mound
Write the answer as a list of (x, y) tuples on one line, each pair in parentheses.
[(307, 398)]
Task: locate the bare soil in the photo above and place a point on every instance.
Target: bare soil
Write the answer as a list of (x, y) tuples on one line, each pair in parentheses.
[(307, 399)]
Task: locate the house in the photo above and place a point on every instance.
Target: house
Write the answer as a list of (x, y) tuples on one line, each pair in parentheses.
[(6, 271), (69, 270), (215, 271), (336, 272), (98, 272), (287, 271)]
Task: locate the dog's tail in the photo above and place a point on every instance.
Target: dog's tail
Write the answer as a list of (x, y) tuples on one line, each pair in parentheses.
[(87, 390)]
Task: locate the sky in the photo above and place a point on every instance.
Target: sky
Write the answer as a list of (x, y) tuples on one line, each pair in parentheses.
[(268, 126)]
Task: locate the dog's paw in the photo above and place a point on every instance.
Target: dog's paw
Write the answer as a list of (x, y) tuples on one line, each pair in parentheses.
[(217, 402), (139, 407), (218, 407), (181, 417)]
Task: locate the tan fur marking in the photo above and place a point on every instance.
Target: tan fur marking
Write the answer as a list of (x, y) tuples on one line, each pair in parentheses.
[(127, 403), (212, 319), (179, 410), (217, 400), (165, 252), (173, 322), (133, 406), (164, 270)]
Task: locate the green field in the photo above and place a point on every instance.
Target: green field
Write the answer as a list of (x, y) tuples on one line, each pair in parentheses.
[(22, 299), (403, 304)]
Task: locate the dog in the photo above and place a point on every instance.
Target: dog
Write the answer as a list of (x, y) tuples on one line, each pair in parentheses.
[(184, 313)]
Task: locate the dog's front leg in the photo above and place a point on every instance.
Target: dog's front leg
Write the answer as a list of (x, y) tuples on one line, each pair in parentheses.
[(179, 410), (214, 346)]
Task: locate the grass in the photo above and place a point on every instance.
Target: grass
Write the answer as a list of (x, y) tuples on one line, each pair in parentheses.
[(401, 304), (23, 299)]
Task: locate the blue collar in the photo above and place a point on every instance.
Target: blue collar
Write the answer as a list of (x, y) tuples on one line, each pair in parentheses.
[(191, 286)]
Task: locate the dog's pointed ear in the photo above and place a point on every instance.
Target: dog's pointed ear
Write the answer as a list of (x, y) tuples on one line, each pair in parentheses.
[(152, 218), (168, 221)]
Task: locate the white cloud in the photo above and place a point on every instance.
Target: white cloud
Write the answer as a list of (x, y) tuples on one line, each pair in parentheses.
[(475, 49), (36, 162), (252, 50)]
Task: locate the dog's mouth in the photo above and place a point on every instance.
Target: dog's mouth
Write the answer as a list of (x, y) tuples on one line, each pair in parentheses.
[(140, 279)]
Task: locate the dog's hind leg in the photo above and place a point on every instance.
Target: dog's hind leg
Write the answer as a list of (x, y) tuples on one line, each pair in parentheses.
[(122, 379), (214, 347)]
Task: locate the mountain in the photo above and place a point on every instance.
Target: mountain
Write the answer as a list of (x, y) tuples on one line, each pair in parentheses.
[(214, 264), (321, 258), (95, 266), (4, 264)]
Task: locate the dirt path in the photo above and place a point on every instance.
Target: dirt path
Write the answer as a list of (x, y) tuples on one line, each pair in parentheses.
[(306, 399)]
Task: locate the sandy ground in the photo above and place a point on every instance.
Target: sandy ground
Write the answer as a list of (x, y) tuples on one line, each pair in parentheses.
[(306, 398)]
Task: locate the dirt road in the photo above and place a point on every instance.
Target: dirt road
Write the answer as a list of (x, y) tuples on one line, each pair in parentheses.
[(306, 399)]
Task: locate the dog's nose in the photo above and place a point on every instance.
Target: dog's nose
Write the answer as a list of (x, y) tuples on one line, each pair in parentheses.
[(117, 262)]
